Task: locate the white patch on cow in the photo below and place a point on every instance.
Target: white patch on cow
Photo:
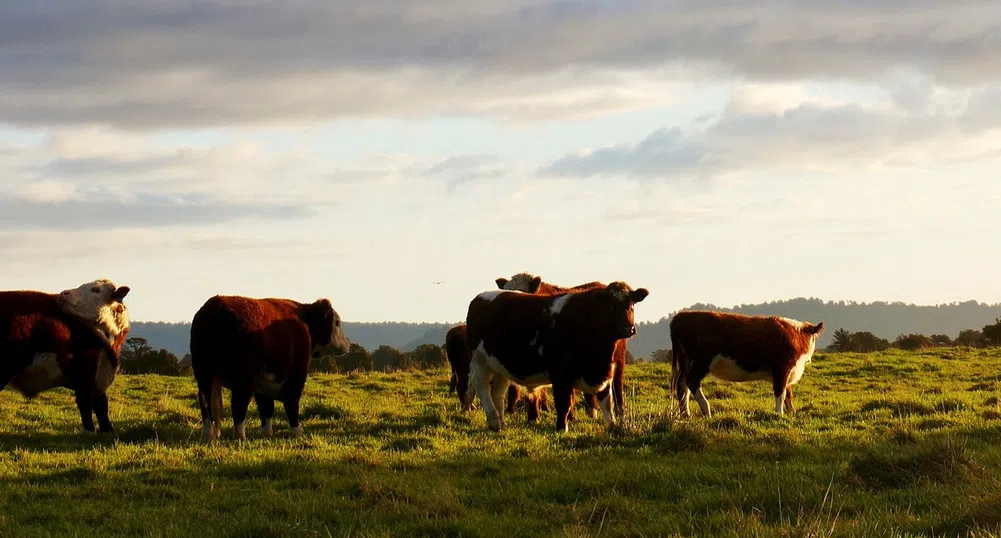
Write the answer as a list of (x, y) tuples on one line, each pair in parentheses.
[(703, 402), (93, 303), (797, 371), (480, 376), (727, 369), (606, 409), (559, 303), (267, 428), (296, 431), (494, 365), (493, 294), (780, 402), (522, 282), (683, 403), (240, 430), (535, 340), (582, 386), (105, 373), (209, 433), (796, 324), (42, 374)]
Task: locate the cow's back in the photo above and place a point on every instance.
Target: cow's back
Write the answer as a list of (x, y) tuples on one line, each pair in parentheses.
[(229, 330), (706, 334)]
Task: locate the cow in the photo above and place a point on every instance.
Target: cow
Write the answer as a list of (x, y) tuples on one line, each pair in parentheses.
[(566, 341), (734, 347), (458, 359), (258, 348), (530, 283), (72, 339)]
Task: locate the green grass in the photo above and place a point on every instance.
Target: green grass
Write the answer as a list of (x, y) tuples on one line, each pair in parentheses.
[(887, 444)]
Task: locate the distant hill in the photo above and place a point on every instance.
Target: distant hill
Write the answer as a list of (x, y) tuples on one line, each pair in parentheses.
[(886, 320)]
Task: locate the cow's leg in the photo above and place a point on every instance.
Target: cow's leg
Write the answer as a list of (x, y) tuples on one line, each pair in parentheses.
[(292, 392), (591, 402), (618, 389), (85, 404), (543, 399), (696, 373), (266, 408), (480, 382), (513, 393), (682, 393), (101, 410), (779, 379), (605, 401), (208, 407), (563, 400), (532, 409), (571, 415), (498, 391), (789, 407), (240, 400)]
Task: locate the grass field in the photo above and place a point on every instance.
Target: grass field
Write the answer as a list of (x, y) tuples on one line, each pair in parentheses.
[(888, 444)]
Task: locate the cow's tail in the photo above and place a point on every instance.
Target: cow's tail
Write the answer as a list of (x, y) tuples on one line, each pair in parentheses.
[(679, 364), (216, 408)]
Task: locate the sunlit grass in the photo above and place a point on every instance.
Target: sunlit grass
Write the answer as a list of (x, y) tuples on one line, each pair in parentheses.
[(889, 444)]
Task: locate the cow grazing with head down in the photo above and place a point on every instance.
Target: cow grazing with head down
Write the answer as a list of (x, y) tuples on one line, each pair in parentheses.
[(534, 340), (258, 348), (70, 340), (529, 283), (739, 348)]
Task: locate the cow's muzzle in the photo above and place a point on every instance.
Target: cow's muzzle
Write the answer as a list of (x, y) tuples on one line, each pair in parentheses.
[(627, 332)]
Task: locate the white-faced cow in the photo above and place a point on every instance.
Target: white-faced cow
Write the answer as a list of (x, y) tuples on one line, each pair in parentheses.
[(534, 340), (260, 348), (530, 283), (739, 348), (69, 340)]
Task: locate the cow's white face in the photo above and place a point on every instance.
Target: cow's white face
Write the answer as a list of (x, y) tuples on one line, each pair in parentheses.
[(524, 282), (98, 304)]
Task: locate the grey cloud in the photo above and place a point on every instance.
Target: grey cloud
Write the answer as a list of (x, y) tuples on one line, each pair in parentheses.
[(801, 135), (143, 213), (176, 63), (662, 153)]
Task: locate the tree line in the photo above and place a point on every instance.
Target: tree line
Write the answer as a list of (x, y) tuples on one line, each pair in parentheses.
[(866, 342)]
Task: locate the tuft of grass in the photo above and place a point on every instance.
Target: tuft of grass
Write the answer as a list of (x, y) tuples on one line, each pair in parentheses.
[(943, 461)]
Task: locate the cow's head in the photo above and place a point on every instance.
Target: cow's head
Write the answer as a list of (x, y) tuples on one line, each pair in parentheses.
[(525, 282), (99, 305), (325, 327), (619, 299)]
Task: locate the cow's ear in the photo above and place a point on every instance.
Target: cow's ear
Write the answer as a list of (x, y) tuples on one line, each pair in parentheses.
[(120, 293), (639, 294), (818, 328), (501, 282), (536, 282)]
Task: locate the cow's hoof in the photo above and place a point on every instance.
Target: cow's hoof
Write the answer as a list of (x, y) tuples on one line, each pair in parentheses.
[(89, 432), (296, 431), (267, 429), (593, 413)]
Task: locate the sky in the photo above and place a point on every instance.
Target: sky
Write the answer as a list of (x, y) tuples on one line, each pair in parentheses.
[(398, 156)]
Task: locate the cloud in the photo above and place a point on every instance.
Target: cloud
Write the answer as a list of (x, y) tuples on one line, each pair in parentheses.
[(790, 129), (103, 214), (180, 64)]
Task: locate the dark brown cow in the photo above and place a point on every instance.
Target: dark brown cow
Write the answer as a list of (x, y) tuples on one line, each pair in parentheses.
[(260, 348), (530, 283), (739, 348), (535, 340), (69, 340)]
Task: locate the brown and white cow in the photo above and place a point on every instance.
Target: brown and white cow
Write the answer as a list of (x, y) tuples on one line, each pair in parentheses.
[(739, 348), (69, 340), (530, 283), (260, 348), (535, 340)]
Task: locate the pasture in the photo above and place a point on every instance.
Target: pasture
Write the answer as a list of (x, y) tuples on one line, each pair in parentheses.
[(885, 444)]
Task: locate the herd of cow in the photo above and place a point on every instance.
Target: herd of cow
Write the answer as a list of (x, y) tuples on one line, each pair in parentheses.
[(526, 335)]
